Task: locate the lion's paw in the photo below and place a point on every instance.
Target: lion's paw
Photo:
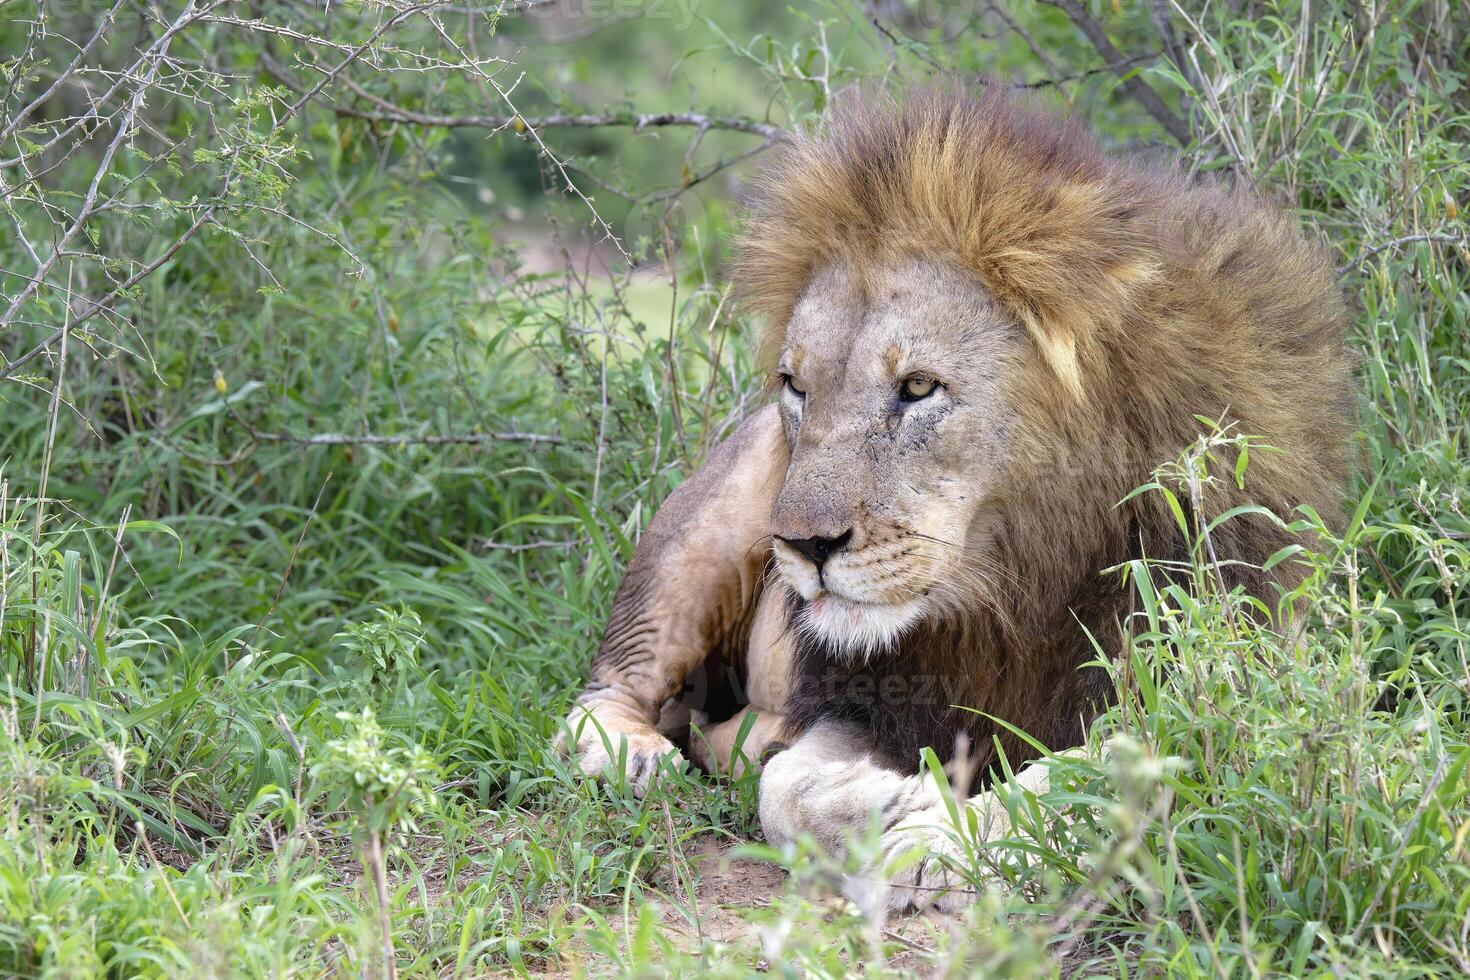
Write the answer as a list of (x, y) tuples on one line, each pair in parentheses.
[(603, 740), (929, 856), (640, 754)]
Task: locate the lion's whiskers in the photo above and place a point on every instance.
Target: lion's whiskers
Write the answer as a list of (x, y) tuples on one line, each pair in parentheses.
[(962, 582), (962, 554), (957, 588)]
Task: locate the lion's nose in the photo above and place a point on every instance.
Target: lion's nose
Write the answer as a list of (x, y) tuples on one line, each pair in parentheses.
[(819, 549)]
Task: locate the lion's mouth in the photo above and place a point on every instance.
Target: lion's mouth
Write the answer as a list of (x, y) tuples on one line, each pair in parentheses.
[(828, 603), (855, 626)]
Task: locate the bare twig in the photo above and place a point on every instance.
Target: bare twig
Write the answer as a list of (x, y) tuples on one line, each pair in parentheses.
[(1132, 84), (159, 866), (1462, 239), (637, 121), (389, 112), (378, 867), (1015, 26), (529, 546), (1078, 76), (468, 438)]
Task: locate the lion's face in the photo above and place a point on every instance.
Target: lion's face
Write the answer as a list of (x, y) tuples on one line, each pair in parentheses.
[(895, 410)]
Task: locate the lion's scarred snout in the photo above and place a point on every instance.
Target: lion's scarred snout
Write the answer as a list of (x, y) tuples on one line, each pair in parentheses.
[(819, 509), (815, 525)]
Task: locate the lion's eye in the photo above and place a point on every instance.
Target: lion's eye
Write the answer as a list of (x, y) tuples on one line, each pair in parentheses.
[(795, 388), (916, 389)]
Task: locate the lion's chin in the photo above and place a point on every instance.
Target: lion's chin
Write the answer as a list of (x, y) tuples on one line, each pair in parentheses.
[(861, 629)]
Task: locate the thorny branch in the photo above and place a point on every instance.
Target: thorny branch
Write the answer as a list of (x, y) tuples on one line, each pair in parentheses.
[(1461, 240), (469, 438), (389, 112), (106, 99)]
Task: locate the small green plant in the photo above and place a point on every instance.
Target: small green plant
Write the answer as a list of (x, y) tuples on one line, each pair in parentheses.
[(386, 648), (380, 790)]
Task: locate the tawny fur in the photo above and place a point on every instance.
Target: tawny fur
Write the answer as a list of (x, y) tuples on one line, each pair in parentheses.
[(1149, 299)]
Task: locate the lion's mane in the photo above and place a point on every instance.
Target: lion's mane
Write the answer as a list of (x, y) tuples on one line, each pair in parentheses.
[(1151, 299)]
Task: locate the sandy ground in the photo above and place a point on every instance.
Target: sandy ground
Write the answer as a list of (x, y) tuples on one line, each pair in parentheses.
[(712, 900)]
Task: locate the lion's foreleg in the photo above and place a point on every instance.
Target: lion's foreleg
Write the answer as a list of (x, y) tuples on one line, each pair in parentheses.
[(720, 747), (688, 588)]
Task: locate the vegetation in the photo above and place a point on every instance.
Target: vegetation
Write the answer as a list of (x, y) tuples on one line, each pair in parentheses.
[(347, 347)]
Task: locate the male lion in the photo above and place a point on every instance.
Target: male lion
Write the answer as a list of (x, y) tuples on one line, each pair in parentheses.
[(986, 333)]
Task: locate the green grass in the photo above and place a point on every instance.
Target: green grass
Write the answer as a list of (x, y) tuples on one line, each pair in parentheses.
[(262, 696)]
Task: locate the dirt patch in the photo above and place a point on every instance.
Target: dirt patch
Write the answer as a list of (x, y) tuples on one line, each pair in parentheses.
[(726, 886), (709, 895)]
